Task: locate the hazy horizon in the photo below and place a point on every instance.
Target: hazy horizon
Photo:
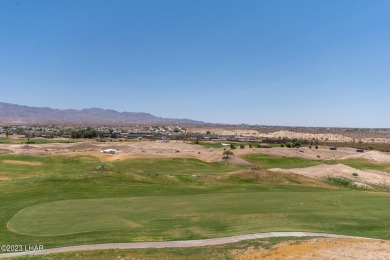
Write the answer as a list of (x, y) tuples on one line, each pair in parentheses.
[(282, 63)]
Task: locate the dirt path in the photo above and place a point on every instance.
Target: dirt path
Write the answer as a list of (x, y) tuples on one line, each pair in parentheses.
[(184, 243)]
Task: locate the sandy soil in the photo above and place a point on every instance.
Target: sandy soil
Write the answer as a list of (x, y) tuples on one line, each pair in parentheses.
[(183, 149), (21, 162), (323, 248), (375, 156), (288, 134), (322, 171), (144, 149)]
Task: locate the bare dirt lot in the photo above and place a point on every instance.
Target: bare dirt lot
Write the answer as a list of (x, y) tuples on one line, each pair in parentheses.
[(135, 149), (359, 177), (323, 248), (171, 149)]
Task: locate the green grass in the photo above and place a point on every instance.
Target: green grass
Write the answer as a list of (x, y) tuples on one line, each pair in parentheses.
[(268, 161), (203, 215), (275, 145), (66, 168), (211, 144), (340, 181), (67, 201), (53, 165)]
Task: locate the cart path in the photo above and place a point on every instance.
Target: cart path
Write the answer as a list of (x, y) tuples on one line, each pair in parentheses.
[(183, 243)]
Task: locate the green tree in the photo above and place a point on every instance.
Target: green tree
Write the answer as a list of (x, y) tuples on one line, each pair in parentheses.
[(226, 154)]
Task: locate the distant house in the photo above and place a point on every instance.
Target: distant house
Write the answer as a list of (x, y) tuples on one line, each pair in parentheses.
[(210, 137), (246, 139)]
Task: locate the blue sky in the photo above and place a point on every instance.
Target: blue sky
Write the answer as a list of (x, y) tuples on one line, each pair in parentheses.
[(299, 63)]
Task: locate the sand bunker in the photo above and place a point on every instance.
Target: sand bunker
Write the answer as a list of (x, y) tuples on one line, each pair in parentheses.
[(323, 248), (21, 162), (359, 177)]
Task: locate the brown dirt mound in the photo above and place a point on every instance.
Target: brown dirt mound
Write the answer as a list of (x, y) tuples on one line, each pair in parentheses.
[(375, 156), (237, 161), (27, 147), (340, 170), (323, 248)]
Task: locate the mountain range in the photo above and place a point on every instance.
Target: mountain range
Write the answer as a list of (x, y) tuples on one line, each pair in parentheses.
[(18, 114)]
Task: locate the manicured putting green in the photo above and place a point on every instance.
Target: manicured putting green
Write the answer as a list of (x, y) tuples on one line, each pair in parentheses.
[(211, 215)]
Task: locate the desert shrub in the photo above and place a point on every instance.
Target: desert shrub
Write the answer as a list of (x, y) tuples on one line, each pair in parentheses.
[(340, 181), (242, 146), (355, 174), (296, 144), (226, 154)]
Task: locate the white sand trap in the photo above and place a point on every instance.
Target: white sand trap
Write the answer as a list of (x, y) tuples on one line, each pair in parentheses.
[(340, 170)]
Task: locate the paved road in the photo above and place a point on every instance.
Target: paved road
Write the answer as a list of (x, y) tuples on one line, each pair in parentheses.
[(184, 243)]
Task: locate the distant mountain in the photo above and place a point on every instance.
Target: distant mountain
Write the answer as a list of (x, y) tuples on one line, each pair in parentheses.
[(17, 114)]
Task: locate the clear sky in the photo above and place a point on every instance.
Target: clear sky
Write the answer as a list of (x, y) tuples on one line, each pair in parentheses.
[(279, 62)]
